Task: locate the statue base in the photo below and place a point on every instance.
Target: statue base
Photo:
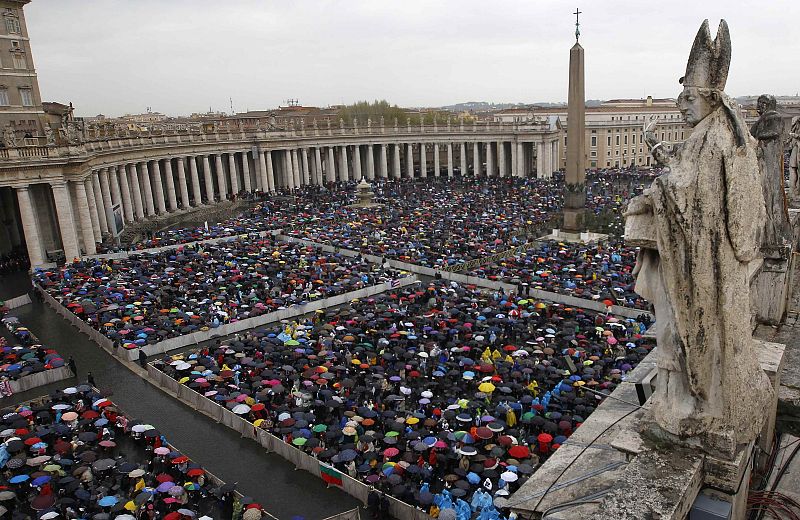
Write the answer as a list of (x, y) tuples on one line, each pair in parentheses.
[(624, 474), (579, 237)]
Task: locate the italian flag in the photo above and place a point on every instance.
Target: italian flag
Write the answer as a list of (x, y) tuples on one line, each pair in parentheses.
[(330, 475)]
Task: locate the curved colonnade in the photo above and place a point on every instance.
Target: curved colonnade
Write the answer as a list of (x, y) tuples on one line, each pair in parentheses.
[(64, 194)]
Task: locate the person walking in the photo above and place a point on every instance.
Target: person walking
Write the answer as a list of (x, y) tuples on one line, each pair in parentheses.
[(72, 367), (90, 379)]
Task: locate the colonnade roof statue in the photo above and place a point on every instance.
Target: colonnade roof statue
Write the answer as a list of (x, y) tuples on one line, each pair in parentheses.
[(699, 226)]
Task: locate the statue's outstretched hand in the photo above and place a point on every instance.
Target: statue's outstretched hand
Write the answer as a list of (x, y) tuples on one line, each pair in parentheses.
[(638, 206)]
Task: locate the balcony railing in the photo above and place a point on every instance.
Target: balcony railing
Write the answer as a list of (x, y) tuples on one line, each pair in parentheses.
[(97, 140)]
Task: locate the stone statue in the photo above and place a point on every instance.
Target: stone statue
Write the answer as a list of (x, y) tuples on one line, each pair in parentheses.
[(49, 135), (769, 130), (794, 161), (369, 123), (698, 227), (9, 137), (341, 124), (382, 122)]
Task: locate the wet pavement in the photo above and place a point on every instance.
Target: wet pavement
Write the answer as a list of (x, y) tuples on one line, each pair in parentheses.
[(268, 478)]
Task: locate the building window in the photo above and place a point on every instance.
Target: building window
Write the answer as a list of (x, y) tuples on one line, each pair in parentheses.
[(609, 139), (594, 140), (4, 97), (594, 164), (27, 97), (625, 139), (617, 140), (12, 25), (19, 61), (593, 154), (681, 136), (634, 139), (565, 141)]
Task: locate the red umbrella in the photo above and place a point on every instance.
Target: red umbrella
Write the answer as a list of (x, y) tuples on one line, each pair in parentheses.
[(483, 433), (390, 452), (519, 452)]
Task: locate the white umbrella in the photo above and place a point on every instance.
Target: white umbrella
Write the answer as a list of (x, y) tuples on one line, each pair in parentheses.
[(241, 409), (509, 476)]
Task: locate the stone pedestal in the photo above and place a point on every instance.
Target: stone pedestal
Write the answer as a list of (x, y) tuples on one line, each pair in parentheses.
[(623, 474), (580, 237)]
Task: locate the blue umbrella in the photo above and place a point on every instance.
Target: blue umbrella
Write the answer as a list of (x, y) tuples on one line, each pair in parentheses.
[(107, 501), (19, 479)]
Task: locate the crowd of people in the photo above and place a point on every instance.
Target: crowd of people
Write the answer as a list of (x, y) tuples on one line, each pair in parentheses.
[(149, 297), (74, 454), (439, 394), (14, 262), (602, 271), (21, 353)]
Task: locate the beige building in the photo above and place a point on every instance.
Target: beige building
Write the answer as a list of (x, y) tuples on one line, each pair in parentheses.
[(20, 100), (613, 129)]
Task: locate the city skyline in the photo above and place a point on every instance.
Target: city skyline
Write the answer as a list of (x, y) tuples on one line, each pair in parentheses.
[(196, 55)]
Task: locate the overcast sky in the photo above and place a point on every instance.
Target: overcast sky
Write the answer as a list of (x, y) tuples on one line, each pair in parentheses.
[(183, 56)]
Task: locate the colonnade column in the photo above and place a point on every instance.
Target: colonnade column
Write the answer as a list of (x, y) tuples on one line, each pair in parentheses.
[(87, 186), (158, 188), (423, 161), (436, 160), (127, 204), (489, 160), (171, 199), (66, 224), (85, 217), (343, 173), (331, 166), (208, 180), (370, 162), (232, 172), (248, 182), (295, 168), (147, 190), (449, 159), (113, 179), (98, 199), (396, 171), (318, 167), (520, 164), (501, 158), (198, 197), (106, 195), (306, 171), (138, 207), (476, 159), (222, 184), (30, 228), (548, 160), (384, 165), (409, 161), (464, 167), (357, 173), (540, 161), (182, 183), (261, 169), (266, 161)]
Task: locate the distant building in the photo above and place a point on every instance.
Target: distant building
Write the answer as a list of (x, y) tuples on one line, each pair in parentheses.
[(614, 135), (20, 100)]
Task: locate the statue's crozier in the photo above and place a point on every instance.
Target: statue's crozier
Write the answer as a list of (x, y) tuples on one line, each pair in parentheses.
[(698, 227)]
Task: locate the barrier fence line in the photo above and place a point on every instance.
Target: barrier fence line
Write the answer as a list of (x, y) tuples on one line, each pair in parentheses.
[(44, 377), (565, 299), (18, 301), (223, 330), (353, 514), (355, 488)]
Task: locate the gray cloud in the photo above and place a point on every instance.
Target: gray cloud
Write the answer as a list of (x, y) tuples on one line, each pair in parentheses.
[(182, 56)]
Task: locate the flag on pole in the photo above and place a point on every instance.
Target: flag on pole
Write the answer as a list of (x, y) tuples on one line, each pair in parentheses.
[(396, 283)]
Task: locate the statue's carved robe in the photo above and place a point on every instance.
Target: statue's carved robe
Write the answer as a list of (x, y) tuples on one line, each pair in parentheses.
[(707, 216)]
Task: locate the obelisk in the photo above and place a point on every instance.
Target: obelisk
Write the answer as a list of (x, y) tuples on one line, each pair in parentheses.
[(575, 188)]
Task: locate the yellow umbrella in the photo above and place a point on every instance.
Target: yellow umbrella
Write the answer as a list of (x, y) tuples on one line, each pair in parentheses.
[(412, 420), (486, 388)]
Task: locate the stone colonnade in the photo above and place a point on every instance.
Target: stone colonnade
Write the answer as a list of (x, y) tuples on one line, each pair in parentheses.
[(138, 190)]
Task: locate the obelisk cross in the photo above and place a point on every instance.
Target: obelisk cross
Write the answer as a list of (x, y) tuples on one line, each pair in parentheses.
[(577, 14)]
